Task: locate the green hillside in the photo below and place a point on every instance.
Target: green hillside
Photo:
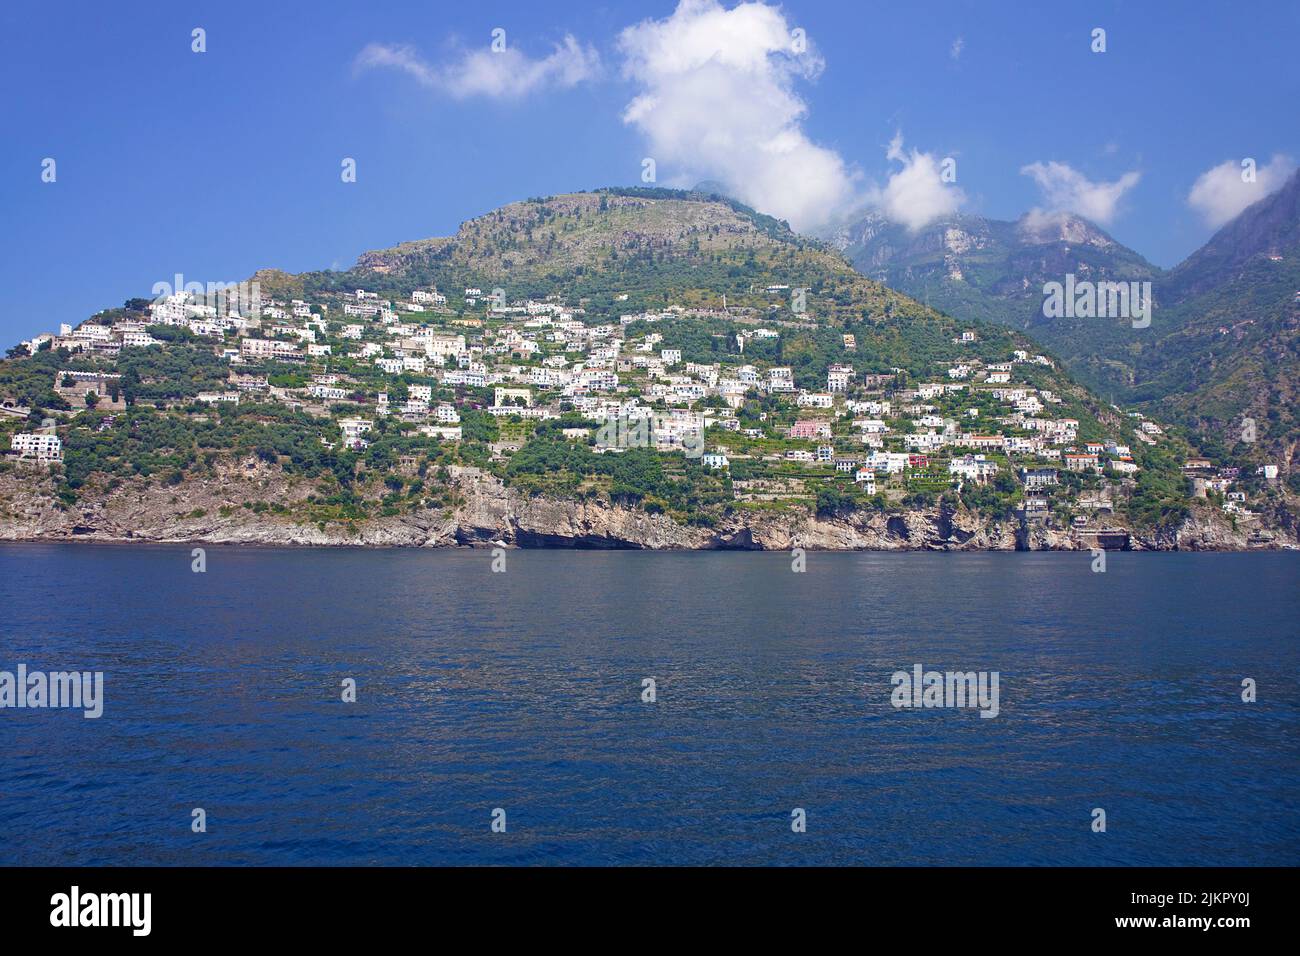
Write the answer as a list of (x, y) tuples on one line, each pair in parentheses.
[(543, 316)]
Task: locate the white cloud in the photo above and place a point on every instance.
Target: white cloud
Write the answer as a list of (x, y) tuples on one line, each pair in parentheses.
[(509, 74), (717, 101), (1065, 189), (958, 45), (916, 194), (1219, 193)]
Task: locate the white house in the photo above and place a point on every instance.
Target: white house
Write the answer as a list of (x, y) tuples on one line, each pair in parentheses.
[(38, 447), (815, 400), (973, 467), (353, 429)]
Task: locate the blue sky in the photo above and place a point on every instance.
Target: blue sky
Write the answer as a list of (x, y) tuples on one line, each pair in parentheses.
[(216, 164)]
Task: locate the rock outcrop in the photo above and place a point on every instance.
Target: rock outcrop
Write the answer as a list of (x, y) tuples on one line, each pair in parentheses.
[(486, 512)]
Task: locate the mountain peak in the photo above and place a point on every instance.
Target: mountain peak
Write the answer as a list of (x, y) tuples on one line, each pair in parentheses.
[(1040, 227), (573, 230), (1269, 227)]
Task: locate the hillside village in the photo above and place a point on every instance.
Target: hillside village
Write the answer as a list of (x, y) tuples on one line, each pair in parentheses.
[(360, 366), (663, 356)]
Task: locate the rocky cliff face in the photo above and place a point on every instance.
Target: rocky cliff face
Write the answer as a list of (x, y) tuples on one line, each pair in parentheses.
[(994, 270), (1270, 227), (487, 512)]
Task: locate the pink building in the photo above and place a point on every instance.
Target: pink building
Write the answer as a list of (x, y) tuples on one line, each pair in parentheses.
[(810, 429)]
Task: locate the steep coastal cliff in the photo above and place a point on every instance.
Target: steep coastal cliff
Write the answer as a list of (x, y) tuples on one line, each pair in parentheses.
[(485, 511)]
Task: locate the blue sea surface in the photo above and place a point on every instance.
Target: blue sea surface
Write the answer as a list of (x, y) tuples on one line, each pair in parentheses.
[(522, 691)]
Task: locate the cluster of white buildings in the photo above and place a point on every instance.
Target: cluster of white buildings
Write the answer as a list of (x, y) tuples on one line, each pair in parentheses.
[(421, 361)]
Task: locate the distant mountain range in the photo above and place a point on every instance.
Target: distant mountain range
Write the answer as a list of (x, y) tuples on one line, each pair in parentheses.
[(1222, 344)]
